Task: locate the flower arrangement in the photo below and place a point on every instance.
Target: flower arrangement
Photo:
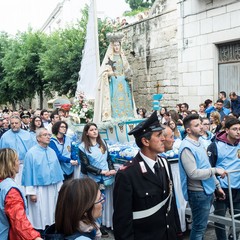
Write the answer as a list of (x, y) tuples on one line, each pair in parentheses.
[(82, 108)]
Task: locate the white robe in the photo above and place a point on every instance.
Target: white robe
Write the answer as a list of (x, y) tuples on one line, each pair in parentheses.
[(42, 212)]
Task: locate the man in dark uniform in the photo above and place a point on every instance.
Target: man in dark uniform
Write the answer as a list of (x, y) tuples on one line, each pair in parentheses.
[(143, 198), (25, 117)]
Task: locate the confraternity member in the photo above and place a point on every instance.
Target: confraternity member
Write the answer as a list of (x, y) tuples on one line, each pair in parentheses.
[(19, 140), (143, 199), (42, 176), (197, 177)]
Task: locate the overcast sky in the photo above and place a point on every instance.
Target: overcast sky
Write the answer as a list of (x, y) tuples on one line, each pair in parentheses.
[(19, 14)]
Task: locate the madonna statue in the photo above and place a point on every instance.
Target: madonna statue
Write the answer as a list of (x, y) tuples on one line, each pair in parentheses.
[(114, 98)]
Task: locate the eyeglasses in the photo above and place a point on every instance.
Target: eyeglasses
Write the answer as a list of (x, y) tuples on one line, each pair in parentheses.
[(46, 135), (25, 116), (63, 127), (102, 199)]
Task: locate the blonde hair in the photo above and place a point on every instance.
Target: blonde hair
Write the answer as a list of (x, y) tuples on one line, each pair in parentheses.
[(8, 160), (216, 117)]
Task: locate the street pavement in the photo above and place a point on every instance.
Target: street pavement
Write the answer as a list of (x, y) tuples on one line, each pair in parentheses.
[(210, 234)]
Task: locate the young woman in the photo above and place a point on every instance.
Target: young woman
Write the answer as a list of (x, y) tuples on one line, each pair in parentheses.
[(61, 144), (35, 124), (141, 113), (79, 205), (96, 161), (215, 121), (172, 124), (14, 223)]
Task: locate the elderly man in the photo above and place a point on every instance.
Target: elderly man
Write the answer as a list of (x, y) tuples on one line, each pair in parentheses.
[(19, 140), (143, 199), (42, 176)]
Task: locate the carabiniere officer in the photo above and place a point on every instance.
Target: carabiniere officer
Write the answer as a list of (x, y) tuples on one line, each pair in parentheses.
[(143, 197)]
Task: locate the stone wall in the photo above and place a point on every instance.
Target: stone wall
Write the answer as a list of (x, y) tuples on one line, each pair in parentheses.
[(151, 48), (202, 25), (178, 49)]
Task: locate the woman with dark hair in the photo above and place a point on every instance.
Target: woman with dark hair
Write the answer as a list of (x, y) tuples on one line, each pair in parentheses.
[(61, 144), (35, 124), (162, 112), (14, 223), (173, 125), (141, 112), (95, 159), (79, 205)]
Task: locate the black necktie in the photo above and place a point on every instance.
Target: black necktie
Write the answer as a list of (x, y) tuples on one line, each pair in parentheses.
[(158, 171)]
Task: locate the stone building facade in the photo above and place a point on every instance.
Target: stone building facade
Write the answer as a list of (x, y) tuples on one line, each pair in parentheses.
[(190, 48), (153, 56)]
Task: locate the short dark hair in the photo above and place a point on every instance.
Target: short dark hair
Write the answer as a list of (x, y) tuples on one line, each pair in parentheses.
[(187, 120), (233, 94), (223, 93), (186, 105), (53, 114), (231, 121), (43, 111), (219, 101), (56, 126), (138, 140), (207, 102)]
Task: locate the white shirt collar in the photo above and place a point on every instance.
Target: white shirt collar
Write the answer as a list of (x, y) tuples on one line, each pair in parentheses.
[(148, 161)]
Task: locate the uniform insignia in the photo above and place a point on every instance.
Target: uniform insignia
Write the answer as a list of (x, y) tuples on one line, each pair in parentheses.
[(126, 165), (143, 167), (123, 167)]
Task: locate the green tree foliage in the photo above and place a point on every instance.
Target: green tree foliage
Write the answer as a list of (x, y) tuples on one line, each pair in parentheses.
[(61, 61), (135, 4), (33, 62), (104, 27), (22, 75), (5, 44)]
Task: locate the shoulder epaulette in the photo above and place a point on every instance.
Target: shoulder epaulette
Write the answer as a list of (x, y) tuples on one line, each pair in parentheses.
[(126, 165)]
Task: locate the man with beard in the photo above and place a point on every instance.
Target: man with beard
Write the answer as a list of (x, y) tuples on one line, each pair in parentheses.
[(197, 177), (225, 153)]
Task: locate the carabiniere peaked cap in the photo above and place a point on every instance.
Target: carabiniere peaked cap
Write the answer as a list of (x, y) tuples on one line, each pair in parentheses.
[(151, 124)]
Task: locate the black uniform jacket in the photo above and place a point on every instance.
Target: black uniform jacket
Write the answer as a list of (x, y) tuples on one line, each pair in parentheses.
[(135, 190)]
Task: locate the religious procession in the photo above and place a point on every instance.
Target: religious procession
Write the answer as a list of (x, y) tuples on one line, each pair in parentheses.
[(148, 148)]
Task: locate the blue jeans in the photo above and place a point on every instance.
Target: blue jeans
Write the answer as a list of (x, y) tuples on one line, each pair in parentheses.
[(200, 204), (221, 207)]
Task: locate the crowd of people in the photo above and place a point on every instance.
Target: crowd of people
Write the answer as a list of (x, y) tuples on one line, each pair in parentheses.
[(38, 161)]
